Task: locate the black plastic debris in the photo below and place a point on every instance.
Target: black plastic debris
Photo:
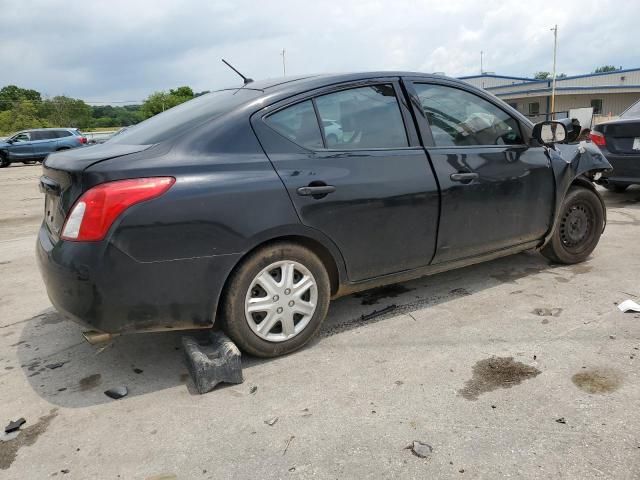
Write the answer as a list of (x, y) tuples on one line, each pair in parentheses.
[(561, 420), (377, 313), (420, 449), (214, 363), (53, 366), (14, 425), (253, 390), (117, 392)]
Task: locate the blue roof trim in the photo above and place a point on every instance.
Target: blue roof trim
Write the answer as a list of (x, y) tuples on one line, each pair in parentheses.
[(545, 90), (496, 76), (566, 78)]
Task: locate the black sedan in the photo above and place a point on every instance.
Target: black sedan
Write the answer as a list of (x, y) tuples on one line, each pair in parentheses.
[(619, 141), (250, 208)]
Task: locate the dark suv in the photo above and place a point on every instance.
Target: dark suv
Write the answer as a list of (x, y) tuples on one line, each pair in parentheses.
[(30, 146)]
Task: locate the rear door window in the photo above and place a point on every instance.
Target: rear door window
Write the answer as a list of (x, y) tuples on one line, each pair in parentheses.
[(63, 133), (299, 124), (362, 118), (460, 118)]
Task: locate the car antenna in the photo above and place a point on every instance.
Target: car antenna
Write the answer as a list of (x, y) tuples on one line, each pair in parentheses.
[(245, 79)]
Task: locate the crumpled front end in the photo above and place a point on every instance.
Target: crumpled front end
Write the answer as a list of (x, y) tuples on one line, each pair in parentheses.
[(581, 163)]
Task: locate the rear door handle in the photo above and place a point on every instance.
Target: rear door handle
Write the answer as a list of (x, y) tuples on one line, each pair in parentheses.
[(320, 190), (464, 177)]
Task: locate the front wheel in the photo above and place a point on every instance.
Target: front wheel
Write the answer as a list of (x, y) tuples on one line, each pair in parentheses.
[(4, 163), (276, 300), (578, 229)]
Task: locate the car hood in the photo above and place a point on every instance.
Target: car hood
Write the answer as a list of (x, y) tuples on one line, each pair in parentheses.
[(79, 159)]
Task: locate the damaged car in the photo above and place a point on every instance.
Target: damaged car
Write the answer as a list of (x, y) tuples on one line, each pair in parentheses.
[(244, 210)]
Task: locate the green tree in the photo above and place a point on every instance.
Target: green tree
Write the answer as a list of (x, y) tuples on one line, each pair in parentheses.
[(160, 101), (11, 94), (23, 114), (606, 68), (64, 111), (547, 76)]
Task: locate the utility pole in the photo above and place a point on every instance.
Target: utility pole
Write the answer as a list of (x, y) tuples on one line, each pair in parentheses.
[(481, 67), (284, 64), (553, 81)]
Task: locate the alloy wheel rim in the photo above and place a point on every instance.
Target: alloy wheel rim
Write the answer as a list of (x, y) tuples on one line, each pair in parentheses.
[(281, 301)]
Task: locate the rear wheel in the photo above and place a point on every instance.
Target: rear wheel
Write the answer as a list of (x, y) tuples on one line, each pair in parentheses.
[(578, 229), (3, 161), (616, 188), (276, 300)]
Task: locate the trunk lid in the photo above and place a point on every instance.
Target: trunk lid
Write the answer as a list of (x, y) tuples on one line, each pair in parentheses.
[(62, 179), (622, 136), (78, 159)]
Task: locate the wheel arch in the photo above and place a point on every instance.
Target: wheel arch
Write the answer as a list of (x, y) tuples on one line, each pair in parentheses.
[(326, 251), (574, 165)]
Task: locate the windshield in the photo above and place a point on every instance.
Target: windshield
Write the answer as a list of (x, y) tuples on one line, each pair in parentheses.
[(632, 112), (184, 117)]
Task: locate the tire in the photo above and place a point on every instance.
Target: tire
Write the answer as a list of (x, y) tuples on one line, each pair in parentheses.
[(617, 188), (4, 163), (264, 270), (578, 229)]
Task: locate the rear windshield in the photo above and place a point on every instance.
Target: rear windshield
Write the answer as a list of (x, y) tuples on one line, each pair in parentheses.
[(182, 118), (632, 112)]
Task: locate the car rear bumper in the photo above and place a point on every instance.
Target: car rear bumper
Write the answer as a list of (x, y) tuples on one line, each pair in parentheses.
[(626, 169), (100, 287)]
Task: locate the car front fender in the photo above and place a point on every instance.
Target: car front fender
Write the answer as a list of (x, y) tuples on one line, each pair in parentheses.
[(574, 164)]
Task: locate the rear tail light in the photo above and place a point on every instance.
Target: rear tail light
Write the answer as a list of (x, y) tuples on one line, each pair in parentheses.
[(97, 208), (82, 139), (598, 138)]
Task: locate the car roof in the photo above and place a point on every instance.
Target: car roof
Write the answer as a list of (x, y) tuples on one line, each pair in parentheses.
[(273, 85), (46, 129)]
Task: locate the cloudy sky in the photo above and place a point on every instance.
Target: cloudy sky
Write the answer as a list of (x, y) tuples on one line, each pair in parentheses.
[(123, 50)]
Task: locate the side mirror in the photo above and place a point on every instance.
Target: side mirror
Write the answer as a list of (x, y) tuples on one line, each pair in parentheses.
[(552, 131), (10, 141)]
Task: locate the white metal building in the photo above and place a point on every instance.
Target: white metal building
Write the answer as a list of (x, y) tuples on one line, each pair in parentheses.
[(609, 93)]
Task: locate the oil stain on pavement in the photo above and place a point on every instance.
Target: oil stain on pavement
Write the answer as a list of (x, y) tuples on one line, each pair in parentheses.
[(92, 381), (26, 437), (494, 373), (373, 296), (597, 380)]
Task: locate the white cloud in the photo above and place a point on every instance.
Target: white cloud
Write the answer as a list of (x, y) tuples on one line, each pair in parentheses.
[(123, 50)]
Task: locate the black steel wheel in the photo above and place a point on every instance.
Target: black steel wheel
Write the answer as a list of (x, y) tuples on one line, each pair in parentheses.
[(578, 228)]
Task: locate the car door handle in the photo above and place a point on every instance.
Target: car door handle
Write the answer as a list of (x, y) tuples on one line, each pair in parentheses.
[(316, 191), (464, 177)]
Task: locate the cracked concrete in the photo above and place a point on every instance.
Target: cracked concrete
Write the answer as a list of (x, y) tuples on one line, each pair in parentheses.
[(349, 403)]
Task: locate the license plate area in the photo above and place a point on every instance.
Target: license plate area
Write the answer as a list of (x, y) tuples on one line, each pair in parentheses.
[(51, 204)]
